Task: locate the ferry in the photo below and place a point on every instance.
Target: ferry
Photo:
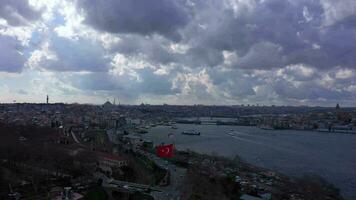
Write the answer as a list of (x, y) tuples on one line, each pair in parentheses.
[(191, 132)]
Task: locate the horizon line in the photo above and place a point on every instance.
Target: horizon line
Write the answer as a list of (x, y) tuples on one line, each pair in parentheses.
[(165, 104)]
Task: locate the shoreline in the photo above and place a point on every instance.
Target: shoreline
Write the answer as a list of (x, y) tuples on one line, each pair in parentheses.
[(253, 180), (256, 147)]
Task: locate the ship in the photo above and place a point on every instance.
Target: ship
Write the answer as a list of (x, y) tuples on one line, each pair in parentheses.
[(266, 127), (191, 132)]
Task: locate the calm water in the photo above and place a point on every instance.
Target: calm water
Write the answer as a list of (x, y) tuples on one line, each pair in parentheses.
[(332, 156)]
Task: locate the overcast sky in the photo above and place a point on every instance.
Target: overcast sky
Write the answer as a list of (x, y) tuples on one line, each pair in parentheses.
[(282, 52)]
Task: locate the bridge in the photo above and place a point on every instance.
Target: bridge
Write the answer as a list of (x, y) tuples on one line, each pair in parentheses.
[(237, 121)]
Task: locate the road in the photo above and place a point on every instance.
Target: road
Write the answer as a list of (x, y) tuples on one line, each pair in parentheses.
[(170, 192), (75, 137), (177, 174)]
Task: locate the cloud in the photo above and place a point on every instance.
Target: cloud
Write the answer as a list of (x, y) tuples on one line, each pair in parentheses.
[(136, 16), (261, 34), (185, 51), (123, 86), (18, 12), (21, 91), (11, 57), (344, 73), (154, 49), (262, 55), (61, 54), (16, 17), (269, 34), (298, 73), (336, 11)]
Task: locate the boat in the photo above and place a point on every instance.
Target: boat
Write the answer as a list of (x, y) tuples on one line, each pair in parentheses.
[(191, 132), (231, 133), (174, 127)]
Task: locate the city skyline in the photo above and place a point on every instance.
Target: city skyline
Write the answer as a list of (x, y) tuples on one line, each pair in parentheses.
[(116, 102), (228, 52)]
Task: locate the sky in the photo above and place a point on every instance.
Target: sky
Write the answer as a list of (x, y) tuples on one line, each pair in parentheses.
[(225, 52)]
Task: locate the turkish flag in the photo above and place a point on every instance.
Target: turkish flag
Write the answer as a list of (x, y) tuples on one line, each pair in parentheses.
[(165, 151)]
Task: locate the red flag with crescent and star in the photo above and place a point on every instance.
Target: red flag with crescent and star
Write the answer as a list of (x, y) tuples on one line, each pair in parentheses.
[(165, 151)]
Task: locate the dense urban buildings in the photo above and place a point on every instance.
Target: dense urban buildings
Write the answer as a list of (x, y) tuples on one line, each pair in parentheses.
[(76, 145)]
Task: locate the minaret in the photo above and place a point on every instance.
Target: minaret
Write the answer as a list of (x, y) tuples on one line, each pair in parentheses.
[(47, 99)]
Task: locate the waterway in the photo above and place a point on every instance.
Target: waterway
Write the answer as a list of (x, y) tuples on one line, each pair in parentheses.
[(294, 153)]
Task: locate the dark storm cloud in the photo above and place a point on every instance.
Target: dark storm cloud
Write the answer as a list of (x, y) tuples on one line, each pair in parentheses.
[(272, 34), (305, 39), (136, 16), (18, 12), (267, 34), (11, 58), (294, 45), (196, 50), (153, 48)]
